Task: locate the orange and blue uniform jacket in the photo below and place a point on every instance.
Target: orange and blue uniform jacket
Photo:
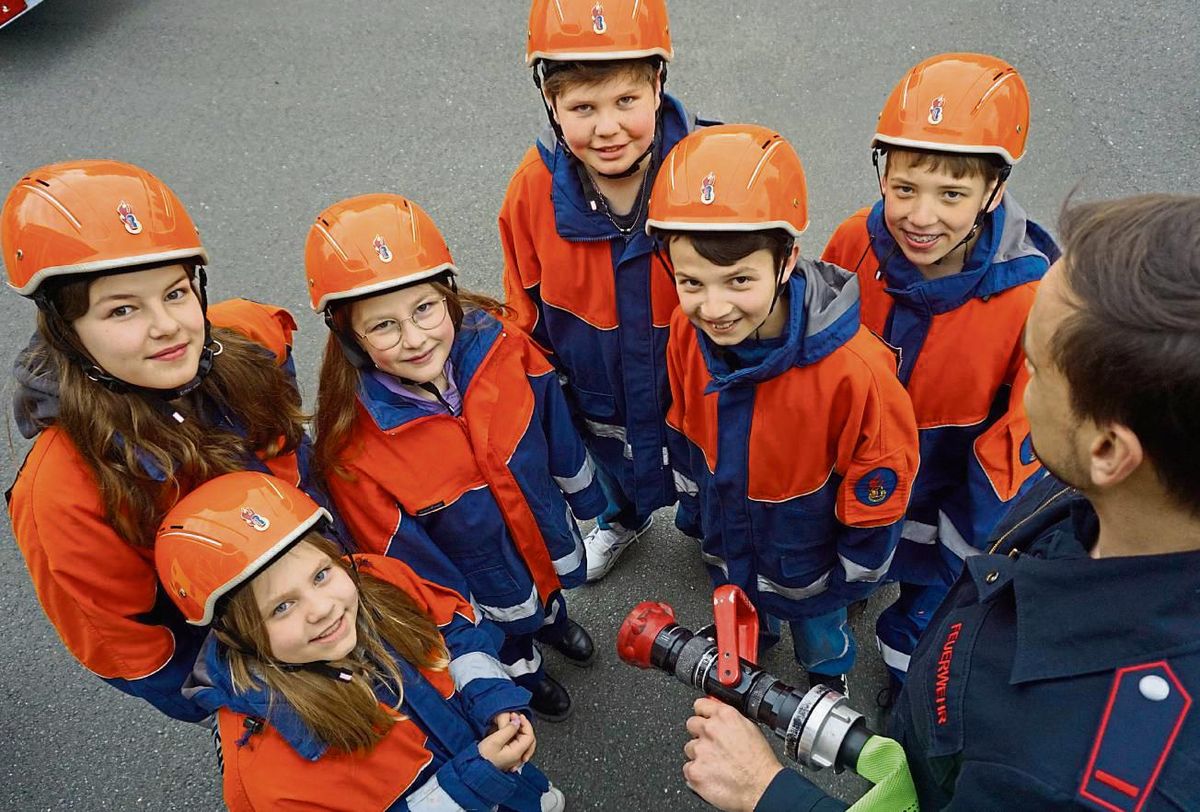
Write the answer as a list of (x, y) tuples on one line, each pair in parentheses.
[(101, 593), (800, 453), (960, 358), (491, 491), (428, 760), (599, 303)]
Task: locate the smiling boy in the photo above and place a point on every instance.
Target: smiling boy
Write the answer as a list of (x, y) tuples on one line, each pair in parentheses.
[(796, 440), (948, 264), (579, 271)]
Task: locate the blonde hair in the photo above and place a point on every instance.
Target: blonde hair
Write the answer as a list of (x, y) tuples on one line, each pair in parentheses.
[(337, 390), (116, 432), (346, 716)]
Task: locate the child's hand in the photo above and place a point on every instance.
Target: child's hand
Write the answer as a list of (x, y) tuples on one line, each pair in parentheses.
[(511, 745), (504, 718)]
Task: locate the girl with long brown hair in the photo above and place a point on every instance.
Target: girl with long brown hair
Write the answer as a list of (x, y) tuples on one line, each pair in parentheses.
[(134, 391), (343, 683), (437, 421)]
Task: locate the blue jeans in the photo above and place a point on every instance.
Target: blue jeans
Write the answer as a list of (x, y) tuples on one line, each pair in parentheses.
[(901, 625), (823, 645), (619, 508)]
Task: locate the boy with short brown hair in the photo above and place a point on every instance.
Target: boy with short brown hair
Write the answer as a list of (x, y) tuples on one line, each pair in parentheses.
[(948, 264)]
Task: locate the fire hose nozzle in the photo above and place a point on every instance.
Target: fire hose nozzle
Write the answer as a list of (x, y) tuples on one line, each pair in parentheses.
[(636, 637)]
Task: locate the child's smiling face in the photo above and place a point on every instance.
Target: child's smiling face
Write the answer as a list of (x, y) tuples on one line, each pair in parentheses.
[(729, 303), (608, 125), (929, 211), (309, 606)]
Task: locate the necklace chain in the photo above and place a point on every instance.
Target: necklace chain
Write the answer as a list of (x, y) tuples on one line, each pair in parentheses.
[(643, 196)]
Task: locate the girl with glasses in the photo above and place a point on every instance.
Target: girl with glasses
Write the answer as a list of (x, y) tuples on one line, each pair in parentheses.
[(439, 422)]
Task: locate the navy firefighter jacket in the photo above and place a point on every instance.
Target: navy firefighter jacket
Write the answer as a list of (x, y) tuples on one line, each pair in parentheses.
[(794, 463), (1051, 680), (599, 303)]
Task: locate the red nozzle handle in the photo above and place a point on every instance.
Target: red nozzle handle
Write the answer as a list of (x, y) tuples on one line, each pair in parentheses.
[(635, 639), (737, 632)]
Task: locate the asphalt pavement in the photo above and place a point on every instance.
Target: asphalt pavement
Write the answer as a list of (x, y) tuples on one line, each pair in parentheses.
[(260, 113)]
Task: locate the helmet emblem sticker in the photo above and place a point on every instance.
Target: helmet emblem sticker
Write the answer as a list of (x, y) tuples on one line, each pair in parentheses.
[(259, 523), (935, 110), (128, 218), (381, 248), (708, 192), (599, 25)]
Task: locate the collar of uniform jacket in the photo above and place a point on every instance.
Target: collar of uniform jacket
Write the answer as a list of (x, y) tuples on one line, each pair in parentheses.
[(1077, 615), (1011, 250)]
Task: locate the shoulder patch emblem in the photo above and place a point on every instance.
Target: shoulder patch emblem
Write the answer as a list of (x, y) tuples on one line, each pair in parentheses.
[(876, 486)]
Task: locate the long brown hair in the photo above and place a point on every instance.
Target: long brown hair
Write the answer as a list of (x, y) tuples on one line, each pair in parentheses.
[(337, 391), (115, 432), (344, 715)]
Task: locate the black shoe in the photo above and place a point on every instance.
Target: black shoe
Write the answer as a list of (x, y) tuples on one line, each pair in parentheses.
[(575, 645), (550, 700), (835, 681), (885, 702)]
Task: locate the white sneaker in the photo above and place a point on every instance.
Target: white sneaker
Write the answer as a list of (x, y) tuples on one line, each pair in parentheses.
[(553, 800), (604, 546)]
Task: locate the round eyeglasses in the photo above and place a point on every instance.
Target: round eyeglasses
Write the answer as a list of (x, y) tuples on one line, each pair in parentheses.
[(386, 332)]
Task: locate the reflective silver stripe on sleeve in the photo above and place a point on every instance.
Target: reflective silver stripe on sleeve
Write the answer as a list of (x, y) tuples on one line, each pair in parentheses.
[(683, 484), (507, 614), (918, 532), (571, 561), (605, 430), (892, 658), (553, 614), (611, 432), (952, 540), (475, 665), (857, 572), (523, 668), (581, 479), (715, 561), (794, 593), (430, 797)]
